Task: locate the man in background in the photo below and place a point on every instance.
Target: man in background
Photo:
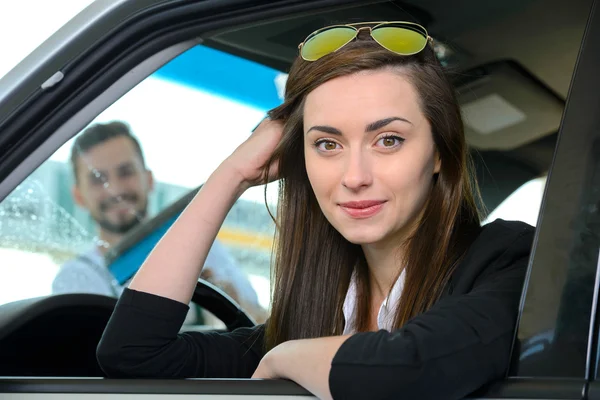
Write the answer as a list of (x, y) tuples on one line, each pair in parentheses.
[(113, 183)]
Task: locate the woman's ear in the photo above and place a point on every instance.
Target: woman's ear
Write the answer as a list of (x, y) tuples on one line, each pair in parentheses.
[(438, 163)]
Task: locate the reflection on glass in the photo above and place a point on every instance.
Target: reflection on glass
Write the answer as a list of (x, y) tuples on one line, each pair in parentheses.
[(555, 321), (36, 236)]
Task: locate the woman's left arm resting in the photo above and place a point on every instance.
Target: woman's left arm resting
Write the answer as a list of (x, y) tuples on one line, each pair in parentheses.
[(306, 362), (461, 344)]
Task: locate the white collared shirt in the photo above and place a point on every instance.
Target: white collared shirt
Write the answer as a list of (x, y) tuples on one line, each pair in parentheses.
[(387, 311), (88, 273)]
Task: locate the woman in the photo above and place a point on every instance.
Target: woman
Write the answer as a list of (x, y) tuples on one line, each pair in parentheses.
[(385, 285)]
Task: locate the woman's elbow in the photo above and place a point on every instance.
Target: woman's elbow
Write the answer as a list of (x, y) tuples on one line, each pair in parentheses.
[(175, 359), (116, 362)]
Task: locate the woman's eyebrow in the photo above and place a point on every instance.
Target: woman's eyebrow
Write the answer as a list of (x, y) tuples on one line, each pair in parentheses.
[(326, 129), (373, 126)]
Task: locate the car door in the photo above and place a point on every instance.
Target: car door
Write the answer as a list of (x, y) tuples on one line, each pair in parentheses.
[(555, 352), (112, 47)]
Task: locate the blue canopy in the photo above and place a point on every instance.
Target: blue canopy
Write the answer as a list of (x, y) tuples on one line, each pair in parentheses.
[(224, 75)]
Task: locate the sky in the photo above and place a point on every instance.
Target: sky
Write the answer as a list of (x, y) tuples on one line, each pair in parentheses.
[(22, 30)]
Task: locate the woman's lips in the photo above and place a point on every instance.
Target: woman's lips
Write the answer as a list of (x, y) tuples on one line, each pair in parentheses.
[(362, 209)]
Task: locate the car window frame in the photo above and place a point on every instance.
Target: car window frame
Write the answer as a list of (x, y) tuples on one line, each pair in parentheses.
[(590, 57), (554, 227)]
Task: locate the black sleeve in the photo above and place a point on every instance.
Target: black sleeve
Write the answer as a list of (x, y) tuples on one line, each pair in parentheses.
[(142, 339), (459, 345)]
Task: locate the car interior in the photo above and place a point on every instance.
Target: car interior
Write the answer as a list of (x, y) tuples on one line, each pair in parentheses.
[(511, 62)]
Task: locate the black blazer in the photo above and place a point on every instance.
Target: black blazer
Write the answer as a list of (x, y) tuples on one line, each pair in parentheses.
[(459, 345)]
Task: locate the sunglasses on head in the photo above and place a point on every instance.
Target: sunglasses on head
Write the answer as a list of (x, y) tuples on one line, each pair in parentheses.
[(404, 38)]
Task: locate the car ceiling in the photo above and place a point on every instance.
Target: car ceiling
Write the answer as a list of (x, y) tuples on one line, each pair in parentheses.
[(522, 50), (542, 35)]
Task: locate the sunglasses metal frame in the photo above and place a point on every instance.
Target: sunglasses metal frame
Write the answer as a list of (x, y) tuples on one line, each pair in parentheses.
[(370, 29)]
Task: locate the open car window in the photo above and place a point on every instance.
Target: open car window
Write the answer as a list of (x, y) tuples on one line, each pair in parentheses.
[(188, 117), (58, 227)]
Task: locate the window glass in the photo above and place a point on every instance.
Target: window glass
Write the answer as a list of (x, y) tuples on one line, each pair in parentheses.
[(70, 218), (556, 326)]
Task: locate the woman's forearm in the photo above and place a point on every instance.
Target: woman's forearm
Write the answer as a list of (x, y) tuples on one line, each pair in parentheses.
[(306, 362), (174, 265)]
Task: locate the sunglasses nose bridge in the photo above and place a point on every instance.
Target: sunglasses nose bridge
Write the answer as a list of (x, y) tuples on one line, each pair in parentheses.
[(363, 32)]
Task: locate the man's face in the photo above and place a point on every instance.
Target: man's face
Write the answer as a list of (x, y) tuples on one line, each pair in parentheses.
[(113, 185)]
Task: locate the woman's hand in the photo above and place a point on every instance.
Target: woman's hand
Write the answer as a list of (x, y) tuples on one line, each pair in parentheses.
[(266, 368), (249, 159), (306, 362)]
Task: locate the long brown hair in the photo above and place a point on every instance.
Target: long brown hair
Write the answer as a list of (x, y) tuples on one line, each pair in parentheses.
[(313, 263)]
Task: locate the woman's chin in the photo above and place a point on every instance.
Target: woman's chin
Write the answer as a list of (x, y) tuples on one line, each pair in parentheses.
[(361, 237)]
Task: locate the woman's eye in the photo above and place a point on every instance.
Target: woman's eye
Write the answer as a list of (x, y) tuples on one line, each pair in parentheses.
[(326, 145), (390, 141)]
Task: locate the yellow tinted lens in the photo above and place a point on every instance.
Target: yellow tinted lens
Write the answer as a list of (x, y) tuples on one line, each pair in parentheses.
[(326, 42), (401, 40)]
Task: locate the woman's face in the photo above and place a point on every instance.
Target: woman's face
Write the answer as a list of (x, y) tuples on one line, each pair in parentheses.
[(369, 154)]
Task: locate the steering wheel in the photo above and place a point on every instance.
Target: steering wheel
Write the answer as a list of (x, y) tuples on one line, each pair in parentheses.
[(125, 258), (57, 335), (222, 306)]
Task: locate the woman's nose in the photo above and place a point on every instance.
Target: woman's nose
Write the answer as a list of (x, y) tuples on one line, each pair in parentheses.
[(357, 172)]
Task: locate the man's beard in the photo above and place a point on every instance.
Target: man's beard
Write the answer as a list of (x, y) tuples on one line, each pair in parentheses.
[(121, 228)]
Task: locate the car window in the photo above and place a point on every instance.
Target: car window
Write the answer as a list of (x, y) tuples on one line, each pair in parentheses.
[(522, 205), (58, 226), (182, 118)]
